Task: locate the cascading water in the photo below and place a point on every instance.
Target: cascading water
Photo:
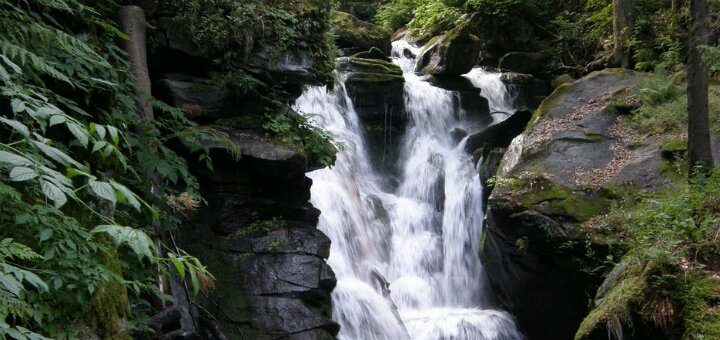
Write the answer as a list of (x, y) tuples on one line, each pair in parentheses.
[(421, 237)]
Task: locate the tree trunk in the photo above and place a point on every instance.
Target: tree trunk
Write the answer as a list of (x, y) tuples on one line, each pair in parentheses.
[(132, 22), (699, 152), (622, 31)]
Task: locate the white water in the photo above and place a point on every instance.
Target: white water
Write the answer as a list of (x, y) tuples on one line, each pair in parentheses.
[(422, 237), (493, 89)]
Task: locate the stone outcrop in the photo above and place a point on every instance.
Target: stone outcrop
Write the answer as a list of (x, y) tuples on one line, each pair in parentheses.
[(257, 236), (573, 159), (257, 233), (452, 53), (355, 35)]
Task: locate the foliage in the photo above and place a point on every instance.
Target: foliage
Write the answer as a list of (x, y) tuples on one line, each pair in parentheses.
[(297, 131), (668, 278), (665, 108), (234, 29), (433, 18), (76, 163), (396, 14)]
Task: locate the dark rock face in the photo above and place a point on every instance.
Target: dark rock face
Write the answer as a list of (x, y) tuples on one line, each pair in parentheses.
[(450, 54), (528, 90), (258, 237), (558, 174), (257, 234), (499, 135), (355, 34), (523, 62)]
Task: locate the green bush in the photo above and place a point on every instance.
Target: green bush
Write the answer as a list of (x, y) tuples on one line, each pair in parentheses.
[(433, 18)]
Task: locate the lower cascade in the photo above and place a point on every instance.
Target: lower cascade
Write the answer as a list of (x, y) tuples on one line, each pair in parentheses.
[(405, 245)]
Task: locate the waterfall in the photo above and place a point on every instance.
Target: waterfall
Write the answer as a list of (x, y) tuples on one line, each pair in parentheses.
[(421, 237), (494, 89)]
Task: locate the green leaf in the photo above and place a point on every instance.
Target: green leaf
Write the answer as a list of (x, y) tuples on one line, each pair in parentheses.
[(21, 173), (12, 65), (104, 190), (179, 266), (17, 126), (100, 131), (194, 280), (136, 239), (128, 194), (113, 134), (52, 192), (99, 145), (57, 155), (17, 105), (14, 159), (57, 119), (79, 132)]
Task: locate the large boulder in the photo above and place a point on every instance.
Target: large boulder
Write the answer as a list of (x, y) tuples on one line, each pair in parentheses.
[(453, 53), (575, 157), (355, 34), (524, 62), (257, 236)]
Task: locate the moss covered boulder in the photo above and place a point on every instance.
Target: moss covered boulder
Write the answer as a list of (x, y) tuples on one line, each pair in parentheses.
[(453, 53), (575, 157), (355, 34)]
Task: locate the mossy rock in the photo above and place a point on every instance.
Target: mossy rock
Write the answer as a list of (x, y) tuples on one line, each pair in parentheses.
[(373, 53), (105, 315), (352, 32), (453, 53), (364, 65)]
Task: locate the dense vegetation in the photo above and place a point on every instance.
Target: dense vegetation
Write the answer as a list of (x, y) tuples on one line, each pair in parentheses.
[(577, 34), (90, 192)]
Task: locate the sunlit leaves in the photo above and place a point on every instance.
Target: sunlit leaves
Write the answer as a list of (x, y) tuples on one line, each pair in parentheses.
[(21, 173), (136, 239)]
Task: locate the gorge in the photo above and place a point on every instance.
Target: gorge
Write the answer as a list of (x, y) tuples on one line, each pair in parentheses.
[(359, 169)]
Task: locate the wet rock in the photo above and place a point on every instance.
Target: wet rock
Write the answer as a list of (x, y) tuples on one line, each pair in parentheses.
[(498, 135), (524, 62), (471, 99), (373, 53), (562, 171), (529, 91), (450, 54), (352, 32), (376, 88)]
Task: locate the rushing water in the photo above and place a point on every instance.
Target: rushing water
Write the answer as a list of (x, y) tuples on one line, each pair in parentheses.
[(421, 238)]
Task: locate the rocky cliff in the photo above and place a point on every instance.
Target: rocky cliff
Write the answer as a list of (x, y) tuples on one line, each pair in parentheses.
[(257, 234), (540, 245)]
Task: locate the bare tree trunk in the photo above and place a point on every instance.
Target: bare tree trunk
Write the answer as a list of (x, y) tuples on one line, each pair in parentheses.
[(699, 152), (132, 21), (622, 31)]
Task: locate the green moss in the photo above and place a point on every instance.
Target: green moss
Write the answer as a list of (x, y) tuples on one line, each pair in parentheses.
[(593, 135), (558, 94), (374, 78), (551, 199), (625, 297), (701, 315), (674, 145), (106, 313), (364, 65), (676, 171)]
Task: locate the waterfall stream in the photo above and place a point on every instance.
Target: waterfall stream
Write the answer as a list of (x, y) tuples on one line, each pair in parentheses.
[(420, 237)]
